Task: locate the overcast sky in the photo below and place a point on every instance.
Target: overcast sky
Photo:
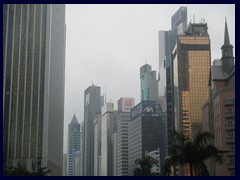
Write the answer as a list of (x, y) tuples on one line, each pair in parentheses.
[(107, 45)]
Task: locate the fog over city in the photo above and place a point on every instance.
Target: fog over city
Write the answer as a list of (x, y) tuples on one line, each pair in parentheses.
[(107, 44)]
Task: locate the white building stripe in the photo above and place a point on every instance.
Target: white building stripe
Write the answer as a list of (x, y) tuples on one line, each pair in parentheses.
[(19, 65), (32, 76), (10, 93), (25, 78)]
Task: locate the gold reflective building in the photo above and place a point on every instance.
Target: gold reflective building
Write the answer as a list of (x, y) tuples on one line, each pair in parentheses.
[(191, 68)]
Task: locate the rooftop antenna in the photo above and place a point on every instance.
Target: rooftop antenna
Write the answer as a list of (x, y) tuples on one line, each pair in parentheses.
[(194, 19), (92, 83)]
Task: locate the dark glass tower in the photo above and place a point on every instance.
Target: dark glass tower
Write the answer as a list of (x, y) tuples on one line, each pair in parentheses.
[(73, 144), (92, 107), (33, 85), (178, 27)]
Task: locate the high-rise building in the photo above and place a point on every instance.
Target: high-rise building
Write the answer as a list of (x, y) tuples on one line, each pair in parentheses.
[(191, 69), (65, 164), (92, 107), (81, 148), (164, 57), (97, 144), (114, 153), (73, 144), (143, 132), (125, 105), (149, 83), (219, 110), (167, 42), (33, 85), (178, 27), (108, 128), (77, 157)]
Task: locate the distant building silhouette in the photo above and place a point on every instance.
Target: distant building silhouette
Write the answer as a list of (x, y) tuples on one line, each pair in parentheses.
[(92, 107), (33, 85), (149, 83), (73, 144)]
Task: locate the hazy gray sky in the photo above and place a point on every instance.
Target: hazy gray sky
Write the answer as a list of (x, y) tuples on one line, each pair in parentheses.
[(107, 45)]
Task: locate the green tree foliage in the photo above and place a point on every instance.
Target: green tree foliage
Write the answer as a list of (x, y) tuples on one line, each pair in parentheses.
[(145, 165), (20, 170), (192, 152)]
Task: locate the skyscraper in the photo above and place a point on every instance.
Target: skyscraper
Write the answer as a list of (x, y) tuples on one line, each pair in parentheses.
[(125, 105), (97, 144), (167, 42), (164, 58), (191, 69), (149, 83), (33, 86), (143, 132), (178, 27), (73, 144), (108, 128), (92, 107)]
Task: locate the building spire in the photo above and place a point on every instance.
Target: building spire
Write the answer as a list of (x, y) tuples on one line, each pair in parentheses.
[(226, 35)]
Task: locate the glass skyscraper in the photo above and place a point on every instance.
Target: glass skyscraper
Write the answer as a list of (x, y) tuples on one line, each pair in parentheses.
[(33, 85), (149, 83), (92, 107), (191, 69), (73, 144), (167, 42)]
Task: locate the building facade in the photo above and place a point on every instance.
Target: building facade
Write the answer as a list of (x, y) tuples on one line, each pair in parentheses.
[(97, 144), (33, 85), (108, 128), (125, 105), (167, 42), (77, 163), (164, 57), (191, 70), (92, 107), (144, 132), (73, 144), (219, 110), (64, 164)]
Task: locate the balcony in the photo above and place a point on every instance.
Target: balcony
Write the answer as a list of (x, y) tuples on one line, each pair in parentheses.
[(229, 101), (230, 127), (230, 139), (229, 114)]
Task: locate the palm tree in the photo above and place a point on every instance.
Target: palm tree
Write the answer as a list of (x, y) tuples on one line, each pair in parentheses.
[(20, 170), (194, 152), (146, 163)]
